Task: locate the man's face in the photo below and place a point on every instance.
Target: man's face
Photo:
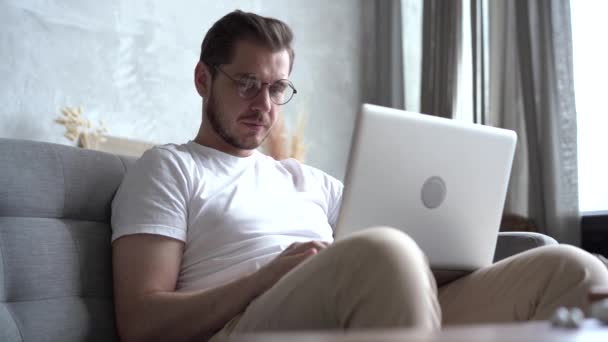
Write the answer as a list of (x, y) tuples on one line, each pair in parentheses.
[(240, 125)]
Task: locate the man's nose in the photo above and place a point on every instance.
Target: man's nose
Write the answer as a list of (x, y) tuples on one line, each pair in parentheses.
[(262, 101)]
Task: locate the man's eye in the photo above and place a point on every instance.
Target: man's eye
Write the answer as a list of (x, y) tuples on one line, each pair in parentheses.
[(278, 87), (247, 83)]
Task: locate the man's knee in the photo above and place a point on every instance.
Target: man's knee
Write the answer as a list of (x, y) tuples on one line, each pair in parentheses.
[(383, 245), (574, 262), (390, 271)]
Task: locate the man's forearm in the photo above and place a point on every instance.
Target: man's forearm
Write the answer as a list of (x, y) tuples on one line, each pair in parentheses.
[(184, 316), (196, 315)]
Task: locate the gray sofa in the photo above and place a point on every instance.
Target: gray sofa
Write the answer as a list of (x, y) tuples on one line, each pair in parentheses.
[(55, 260)]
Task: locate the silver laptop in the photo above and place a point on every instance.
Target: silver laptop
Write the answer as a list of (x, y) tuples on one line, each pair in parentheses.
[(441, 181)]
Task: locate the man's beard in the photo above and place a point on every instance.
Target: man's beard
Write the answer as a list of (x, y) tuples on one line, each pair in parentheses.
[(222, 130)]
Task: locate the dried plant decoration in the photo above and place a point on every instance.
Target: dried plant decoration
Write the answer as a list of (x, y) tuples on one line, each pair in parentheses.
[(81, 129), (279, 146), (298, 146), (276, 144)]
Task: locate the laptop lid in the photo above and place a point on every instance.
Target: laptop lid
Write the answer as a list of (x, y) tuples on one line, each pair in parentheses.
[(441, 181)]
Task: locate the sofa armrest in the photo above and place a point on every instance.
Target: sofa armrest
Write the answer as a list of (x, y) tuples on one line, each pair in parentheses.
[(510, 243)]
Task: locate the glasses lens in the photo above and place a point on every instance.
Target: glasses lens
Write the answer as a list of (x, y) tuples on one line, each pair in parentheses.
[(281, 92), (249, 87)]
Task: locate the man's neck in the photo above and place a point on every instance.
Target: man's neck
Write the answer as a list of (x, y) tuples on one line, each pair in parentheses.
[(217, 143)]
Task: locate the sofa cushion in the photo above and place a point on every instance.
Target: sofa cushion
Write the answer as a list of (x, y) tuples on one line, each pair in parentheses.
[(55, 252), (49, 180), (48, 258)]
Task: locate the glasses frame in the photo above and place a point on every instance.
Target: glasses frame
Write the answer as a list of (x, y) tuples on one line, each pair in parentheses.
[(237, 82)]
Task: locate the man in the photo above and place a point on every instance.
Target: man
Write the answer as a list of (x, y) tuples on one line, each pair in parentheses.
[(212, 237)]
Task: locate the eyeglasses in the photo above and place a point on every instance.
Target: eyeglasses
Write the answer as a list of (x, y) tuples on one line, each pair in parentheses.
[(281, 91)]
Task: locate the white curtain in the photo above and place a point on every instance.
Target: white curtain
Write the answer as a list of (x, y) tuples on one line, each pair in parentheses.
[(532, 92)]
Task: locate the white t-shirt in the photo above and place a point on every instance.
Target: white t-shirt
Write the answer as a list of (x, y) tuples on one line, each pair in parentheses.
[(234, 214)]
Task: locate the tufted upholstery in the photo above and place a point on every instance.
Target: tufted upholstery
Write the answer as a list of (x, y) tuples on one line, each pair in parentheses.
[(55, 261)]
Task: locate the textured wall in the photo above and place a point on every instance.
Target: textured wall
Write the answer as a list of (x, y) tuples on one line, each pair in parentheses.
[(131, 63)]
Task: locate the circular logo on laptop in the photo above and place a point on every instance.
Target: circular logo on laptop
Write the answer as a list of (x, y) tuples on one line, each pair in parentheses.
[(433, 192)]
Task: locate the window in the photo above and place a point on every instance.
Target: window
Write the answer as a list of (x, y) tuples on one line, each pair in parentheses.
[(589, 28), (590, 55), (411, 30)]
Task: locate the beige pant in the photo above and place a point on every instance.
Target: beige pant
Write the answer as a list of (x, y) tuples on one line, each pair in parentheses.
[(380, 278)]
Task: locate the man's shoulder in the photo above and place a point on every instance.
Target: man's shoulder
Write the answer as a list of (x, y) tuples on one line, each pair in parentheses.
[(167, 151), (173, 157)]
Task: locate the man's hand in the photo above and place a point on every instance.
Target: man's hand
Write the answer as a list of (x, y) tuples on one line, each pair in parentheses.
[(291, 257)]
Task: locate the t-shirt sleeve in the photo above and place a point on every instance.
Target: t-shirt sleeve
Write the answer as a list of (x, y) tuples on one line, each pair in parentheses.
[(153, 197), (334, 199)]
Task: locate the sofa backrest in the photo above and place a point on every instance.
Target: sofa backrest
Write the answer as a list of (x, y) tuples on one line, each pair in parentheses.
[(55, 254)]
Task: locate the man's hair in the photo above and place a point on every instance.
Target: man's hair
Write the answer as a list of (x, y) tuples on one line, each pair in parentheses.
[(218, 46)]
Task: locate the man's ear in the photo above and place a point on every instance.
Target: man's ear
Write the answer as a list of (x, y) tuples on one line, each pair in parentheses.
[(202, 79)]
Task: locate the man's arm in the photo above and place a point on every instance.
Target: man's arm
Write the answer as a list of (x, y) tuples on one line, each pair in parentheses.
[(148, 308)]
